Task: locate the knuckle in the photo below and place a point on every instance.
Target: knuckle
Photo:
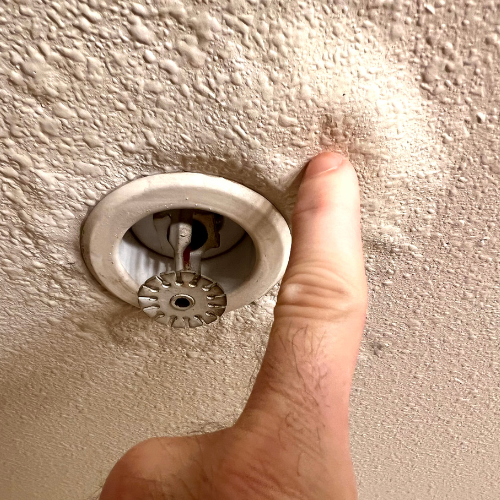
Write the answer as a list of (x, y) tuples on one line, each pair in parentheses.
[(321, 293), (307, 206)]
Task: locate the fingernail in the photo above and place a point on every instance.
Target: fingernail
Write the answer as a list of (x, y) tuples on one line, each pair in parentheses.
[(324, 162)]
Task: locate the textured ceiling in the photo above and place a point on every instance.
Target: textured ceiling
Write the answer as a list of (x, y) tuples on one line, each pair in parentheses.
[(96, 93)]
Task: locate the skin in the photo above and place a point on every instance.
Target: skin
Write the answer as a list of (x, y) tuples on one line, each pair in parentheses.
[(292, 439)]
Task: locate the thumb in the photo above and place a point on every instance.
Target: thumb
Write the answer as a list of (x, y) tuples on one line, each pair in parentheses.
[(301, 393), (325, 277)]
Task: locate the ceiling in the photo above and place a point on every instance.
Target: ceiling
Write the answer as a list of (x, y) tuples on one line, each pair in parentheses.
[(94, 94)]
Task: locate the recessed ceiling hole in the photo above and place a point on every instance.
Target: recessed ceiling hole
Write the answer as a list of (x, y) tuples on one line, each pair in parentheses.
[(239, 241)]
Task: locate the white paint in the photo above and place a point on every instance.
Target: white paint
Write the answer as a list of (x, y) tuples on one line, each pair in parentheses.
[(409, 91)]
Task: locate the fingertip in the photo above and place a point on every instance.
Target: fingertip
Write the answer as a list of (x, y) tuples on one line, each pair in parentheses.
[(324, 162), (326, 218)]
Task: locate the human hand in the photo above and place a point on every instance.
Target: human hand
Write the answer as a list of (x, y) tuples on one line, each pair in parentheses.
[(292, 439)]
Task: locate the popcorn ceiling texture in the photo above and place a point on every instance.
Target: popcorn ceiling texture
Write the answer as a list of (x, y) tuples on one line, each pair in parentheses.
[(94, 94)]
